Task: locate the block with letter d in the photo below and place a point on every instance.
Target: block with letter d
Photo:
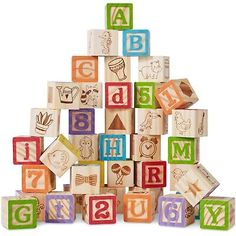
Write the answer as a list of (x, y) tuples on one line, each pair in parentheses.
[(112, 147)]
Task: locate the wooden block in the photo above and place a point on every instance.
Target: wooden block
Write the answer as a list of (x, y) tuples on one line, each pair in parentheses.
[(87, 145), (217, 213), (120, 173), (119, 16), (60, 156), (60, 207), (150, 174), (63, 95), (112, 147), (102, 43), (174, 210), (84, 69), (82, 121), (145, 147), (190, 123), (176, 94), (152, 122), (85, 179), (119, 121), (154, 69), (44, 122), (37, 179), (197, 212), (99, 209), (102, 169), (40, 199), (177, 171), (118, 192), (19, 213), (27, 149), (144, 95), (196, 184), (117, 69), (183, 150), (136, 43), (139, 207), (90, 95), (118, 95)]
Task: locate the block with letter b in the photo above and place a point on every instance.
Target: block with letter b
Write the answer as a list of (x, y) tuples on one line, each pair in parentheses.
[(175, 210), (99, 209)]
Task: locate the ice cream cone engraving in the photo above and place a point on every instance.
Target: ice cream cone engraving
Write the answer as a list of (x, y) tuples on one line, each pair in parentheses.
[(43, 121), (117, 66), (66, 94), (124, 171)]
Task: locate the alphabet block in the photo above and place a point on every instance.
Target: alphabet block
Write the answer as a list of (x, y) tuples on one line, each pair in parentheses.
[(84, 69), (139, 207), (154, 69), (60, 207), (63, 95), (99, 209), (87, 145), (27, 149), (152, 122), (118, 95), (40, 199), (196, 184), (174, 210), (145, 147), (176, 94), (60, 156), (112, 147), (119, 16), (82, 121), (119, 121), (19, 213), (120, 173), (217, 213), (144, 95), (44, 122), (183, 150), (118, 192), (117, 69), (37, 179), (102, 43), (150, 174), (85, 179), (90, 95), (190, 123), (136, 43)]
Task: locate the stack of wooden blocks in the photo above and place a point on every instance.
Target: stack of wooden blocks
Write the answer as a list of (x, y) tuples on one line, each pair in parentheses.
[(97, 195)]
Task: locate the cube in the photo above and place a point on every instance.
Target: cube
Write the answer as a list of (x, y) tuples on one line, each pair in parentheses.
[(190, 123), (174, 210), (27, 150), (119, 16), (136, 42), (217, 213), (183, 150), (19, 213)]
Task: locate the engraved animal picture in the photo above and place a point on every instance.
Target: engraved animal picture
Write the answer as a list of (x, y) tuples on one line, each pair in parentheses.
[(105, 41), (58, 159), (147, 123), (151, 71), (181, 124), (89, 96), (86, 148)]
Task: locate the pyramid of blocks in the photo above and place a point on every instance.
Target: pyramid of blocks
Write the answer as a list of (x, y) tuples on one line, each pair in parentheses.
[(104, 180)]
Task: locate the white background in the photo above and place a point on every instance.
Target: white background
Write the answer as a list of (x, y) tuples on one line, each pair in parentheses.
[(37, 40)]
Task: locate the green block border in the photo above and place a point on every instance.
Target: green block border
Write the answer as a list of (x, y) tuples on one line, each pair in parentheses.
[(108, 18), (216, 202), (11, 203), (153, 85), (170, 160)]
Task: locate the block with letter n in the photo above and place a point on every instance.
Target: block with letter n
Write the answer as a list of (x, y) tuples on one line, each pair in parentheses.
[(217, 213), (183, 150), (112, 147)]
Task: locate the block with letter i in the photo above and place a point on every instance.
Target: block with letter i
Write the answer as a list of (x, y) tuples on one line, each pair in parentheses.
[(60, 207), (175, 210), (19, 213), (217, 213), (27, 149), (99, 209)]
